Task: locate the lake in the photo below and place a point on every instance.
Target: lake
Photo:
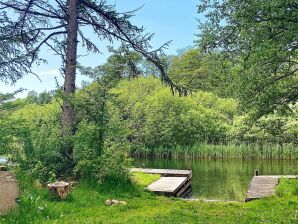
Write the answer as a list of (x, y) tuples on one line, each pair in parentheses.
[(221, 179)]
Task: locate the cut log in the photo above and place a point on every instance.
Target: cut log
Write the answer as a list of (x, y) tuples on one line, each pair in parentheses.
[(60, 189)]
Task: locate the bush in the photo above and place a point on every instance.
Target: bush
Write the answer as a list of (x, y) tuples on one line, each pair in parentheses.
[(157, 119), (37, 140), (100, 146), (111, 161)]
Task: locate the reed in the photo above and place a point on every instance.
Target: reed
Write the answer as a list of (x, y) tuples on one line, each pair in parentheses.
[(229, 150)]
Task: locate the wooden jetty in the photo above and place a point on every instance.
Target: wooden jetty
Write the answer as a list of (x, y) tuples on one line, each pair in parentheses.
[(175, 183), (165, 172), (263, 186)]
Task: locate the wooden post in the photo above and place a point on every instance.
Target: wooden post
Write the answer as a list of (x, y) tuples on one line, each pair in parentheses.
[(256, 172)]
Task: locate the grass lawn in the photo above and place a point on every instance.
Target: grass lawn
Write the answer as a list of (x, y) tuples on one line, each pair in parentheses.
[(86, 205)]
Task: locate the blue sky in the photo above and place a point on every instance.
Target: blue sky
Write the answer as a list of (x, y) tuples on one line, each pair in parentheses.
[(168, 19)]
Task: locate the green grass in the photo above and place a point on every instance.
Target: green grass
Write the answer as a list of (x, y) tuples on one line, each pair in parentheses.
[(287, 188), (204, 150), (143, 179), (85, 205)]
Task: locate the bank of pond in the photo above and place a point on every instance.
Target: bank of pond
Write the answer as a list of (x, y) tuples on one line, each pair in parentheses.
[(221, 179), (87, 203)]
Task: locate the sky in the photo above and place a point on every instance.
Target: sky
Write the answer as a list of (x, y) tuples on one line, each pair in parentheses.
[(169, 20)]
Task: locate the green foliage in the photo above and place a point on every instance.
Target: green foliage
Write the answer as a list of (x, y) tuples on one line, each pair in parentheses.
[(42, 98), (37, 139), (260, 36), (144, 179), (113, 162), (189, 69), (100, 151), (155, 121), (86, 204), (222, 150), (206, 72), (287, 188), (272, 128), (9, 103), (6, 137), (32, 133), (156, 118), (116, 117), (122, 63)]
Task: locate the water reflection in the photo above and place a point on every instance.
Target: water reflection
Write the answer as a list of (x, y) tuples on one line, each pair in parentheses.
[(221, 179)]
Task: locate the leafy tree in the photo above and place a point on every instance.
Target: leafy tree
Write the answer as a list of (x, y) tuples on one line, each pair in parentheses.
[(115, 117), (13, 62), (8, 102), (34, 138), (5, 97), (32, 97), (122, 63), (100, 148), (45, 97), (42, 98), (261, 36), (155, 118), (189, 70), (59, 25), (206, 72)]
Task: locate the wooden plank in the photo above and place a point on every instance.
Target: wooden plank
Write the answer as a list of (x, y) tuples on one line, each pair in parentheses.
[(264, 186), (169, 185), (187, 193), (165, 172), (261, 187), (183, 189)]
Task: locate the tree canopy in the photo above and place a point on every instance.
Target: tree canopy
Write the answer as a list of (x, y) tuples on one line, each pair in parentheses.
[(262, 37), (197, 70)]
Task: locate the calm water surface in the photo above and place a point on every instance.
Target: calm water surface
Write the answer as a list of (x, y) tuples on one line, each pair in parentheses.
[(221, 179)]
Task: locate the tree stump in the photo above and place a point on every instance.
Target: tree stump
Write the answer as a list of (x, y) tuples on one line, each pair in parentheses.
[(60, 189)]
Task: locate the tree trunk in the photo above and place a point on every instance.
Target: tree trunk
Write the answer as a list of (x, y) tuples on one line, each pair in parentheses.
[(67, 121)]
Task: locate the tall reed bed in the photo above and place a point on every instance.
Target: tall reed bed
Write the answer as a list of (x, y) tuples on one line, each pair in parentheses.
[(204, 150)]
